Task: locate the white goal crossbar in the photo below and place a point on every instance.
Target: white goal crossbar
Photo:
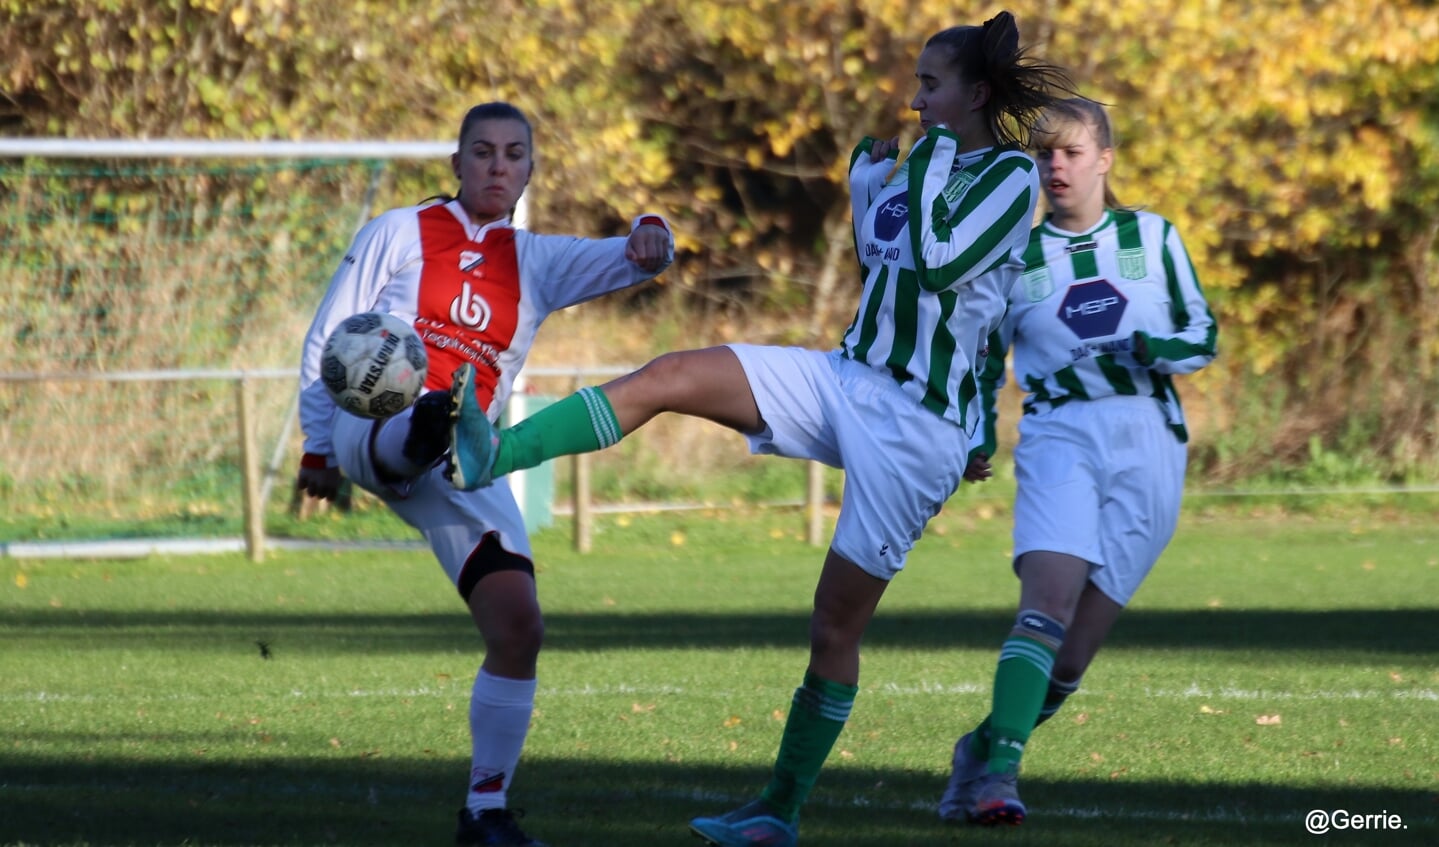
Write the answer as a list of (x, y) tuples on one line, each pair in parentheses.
[(181, 148)]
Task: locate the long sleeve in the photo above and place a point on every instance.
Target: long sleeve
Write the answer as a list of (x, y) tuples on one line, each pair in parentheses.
[(1193, 344), (354, 287), (991, 380), (969, 217)]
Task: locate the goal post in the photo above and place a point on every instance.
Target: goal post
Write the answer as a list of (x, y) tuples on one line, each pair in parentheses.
[(148, 286), (156, 294)]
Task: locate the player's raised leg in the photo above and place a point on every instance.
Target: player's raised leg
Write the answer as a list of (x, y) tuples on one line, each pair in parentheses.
[(708, 383), (472, 436)]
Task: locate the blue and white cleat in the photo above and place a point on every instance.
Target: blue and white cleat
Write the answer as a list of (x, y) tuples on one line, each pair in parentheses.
[(752, 825), (996, 801), (472, 437), (965, 775)]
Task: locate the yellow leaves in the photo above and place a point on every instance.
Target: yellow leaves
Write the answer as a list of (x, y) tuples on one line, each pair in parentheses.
[(1268, 720)]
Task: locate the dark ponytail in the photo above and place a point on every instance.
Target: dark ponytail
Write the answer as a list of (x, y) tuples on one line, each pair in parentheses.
[(1020, 87), (1001, 39)]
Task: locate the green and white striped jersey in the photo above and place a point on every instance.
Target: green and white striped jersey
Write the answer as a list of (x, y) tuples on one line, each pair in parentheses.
[(936, 280), (1080, 307)]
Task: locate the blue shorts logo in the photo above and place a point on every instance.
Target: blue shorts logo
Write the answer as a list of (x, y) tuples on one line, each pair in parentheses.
[(1092, 309)]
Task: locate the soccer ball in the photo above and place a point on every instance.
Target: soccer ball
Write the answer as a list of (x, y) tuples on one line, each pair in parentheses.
[(374, 364)]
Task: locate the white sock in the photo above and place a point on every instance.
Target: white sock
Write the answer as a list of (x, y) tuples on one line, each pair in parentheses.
[(500, 711), (390, 447)]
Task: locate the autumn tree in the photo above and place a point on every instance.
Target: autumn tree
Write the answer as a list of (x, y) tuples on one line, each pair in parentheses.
[(1297, 153)]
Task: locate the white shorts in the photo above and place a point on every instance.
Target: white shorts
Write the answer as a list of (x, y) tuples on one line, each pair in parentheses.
[(1101, 480), (454, 522), (901, 461)]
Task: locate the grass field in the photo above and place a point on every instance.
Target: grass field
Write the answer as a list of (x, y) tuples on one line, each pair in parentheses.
[(1273, 664)]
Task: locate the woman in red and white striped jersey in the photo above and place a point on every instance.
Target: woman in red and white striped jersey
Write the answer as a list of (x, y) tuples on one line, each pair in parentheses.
[(476, 289)]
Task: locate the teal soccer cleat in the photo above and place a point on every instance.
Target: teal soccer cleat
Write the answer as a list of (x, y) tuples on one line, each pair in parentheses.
[(472, 437), (752, 825)]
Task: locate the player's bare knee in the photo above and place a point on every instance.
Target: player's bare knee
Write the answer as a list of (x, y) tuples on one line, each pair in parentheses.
[(829, 636), (517, 638), (664, 379)]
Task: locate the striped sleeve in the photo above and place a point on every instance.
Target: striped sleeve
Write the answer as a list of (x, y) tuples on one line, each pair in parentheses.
[(991, 380), (969, 220), (1194, 341), (866, 180)]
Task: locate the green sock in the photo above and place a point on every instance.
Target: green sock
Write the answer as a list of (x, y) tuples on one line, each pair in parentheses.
[(979, 740), (1054, 698), (581, 423), (816, 716), (1020, 683)]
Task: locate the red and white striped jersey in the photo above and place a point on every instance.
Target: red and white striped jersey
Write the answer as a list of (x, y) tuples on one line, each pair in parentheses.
[(476, 294)]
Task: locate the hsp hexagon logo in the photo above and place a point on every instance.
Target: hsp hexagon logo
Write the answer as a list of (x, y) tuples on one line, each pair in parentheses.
[(891, 217), (1092, 309)]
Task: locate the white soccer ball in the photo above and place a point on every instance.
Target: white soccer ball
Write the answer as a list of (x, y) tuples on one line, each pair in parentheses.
[(374, 364)]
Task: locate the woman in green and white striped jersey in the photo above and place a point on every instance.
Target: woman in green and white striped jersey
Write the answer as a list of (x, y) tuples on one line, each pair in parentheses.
[(939, 242), (1106, 312)]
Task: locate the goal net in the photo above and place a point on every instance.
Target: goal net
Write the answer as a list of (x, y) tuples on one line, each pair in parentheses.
[(147, 287)]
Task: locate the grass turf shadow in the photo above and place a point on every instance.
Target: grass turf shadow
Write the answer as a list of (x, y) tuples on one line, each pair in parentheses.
[(1361, 631), (389, 802)]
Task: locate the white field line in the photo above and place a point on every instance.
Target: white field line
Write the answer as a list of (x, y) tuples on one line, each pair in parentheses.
[(461, 690), (921, 806), (1214, 814)]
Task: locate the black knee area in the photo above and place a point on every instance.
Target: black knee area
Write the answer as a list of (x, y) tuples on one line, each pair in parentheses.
[(487, 558), (429, 435)]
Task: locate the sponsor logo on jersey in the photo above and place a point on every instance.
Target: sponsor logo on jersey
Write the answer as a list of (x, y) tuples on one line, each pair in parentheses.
[(1132, 264), (470, 259), (890, 217), (1081, 247), (1038, 284), (469, 309), (1092, 309)]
